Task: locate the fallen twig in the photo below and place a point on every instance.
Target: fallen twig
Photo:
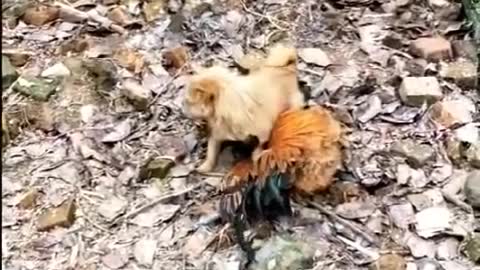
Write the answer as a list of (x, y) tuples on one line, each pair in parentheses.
[(91, 15), (372, 254), (370, 238), (271, 19), (156, 201)]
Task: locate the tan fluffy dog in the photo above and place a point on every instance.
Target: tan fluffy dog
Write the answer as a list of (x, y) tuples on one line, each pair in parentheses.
[(236, 106)]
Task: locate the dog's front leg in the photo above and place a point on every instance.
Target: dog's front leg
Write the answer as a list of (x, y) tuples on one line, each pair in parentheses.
[(213, 148)]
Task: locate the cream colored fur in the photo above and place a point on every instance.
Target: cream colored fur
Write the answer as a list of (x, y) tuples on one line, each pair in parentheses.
[(243, 105)]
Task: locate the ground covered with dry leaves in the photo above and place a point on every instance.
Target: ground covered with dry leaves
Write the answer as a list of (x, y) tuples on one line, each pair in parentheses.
[(97, 157)]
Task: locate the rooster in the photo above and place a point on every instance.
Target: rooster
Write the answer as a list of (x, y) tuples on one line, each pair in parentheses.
[(300, 158)]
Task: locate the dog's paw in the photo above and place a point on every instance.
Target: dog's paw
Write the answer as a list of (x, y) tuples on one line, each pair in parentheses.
[(204, 167)]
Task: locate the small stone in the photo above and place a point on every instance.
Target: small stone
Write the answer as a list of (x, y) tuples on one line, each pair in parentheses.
[(419, 247), (158, 168), (428, 264), (472, 248), (40, 15), (57, 70), (28, 199), (63, 216), (144, 251), (450, 112), (315, 56), (38, 89), (419, 201), (417, 154), (9, 74), (138, 95), (454, 265), (282, 253), (115, 259), (432, 48), (402, 215), (154, 9), (445, 10), (447, 249), (176, 57), (462, 72), (433, 221), (389, 262), (472, 189), (414, 91), (112, 208)]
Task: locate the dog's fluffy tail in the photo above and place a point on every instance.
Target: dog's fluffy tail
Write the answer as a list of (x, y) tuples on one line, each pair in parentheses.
[(281, 55)]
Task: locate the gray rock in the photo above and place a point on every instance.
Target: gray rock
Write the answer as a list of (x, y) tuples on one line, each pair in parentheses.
[(284, 253), (57, 70), (428, 264), (472, 188), (419, 247), (447, 249), (402, 215), (463, 72), (414, 91), (38, 89), (472, 248), (417, 154), (9, 74)]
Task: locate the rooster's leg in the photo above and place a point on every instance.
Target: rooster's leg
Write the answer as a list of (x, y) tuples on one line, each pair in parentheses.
[(239, 228), (283, 202), (257, 194)]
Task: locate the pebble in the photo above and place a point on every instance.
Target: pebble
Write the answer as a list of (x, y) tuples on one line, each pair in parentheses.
[(57, 70), (402, 215), (448, 249), (432, 48), (414, 91), (27, 200), (450, 112), (462, 72), (63, 216), (417, 154)]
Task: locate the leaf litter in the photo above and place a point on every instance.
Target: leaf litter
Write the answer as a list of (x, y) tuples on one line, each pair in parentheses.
[(121, 68)]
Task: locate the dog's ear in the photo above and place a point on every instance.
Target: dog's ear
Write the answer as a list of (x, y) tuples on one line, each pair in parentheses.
[(209, 89)]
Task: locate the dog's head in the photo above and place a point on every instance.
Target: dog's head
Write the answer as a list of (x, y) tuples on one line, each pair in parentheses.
[(200, 97)]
